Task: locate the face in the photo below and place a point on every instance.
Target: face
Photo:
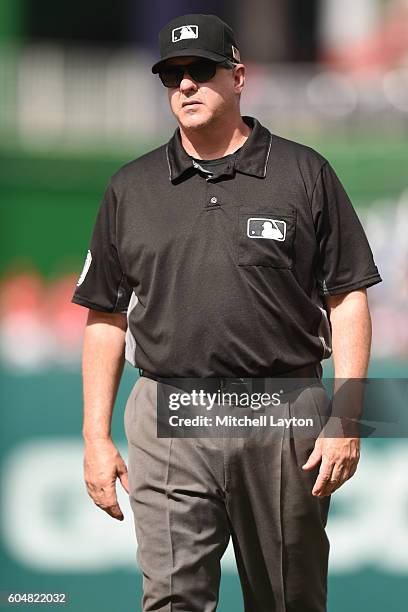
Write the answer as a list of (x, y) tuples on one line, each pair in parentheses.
[(197, 105)]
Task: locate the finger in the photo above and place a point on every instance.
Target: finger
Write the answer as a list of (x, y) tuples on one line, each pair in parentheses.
[(337, 478), (123, 475), (323, 477), (112, 509), (313, 460), (353, 469), (338, 473), (101, 492), (349, 470), (341, 473), (124, 481), (104, 496), (115, 512)]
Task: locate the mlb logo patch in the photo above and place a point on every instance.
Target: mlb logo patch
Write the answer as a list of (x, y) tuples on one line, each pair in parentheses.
[(261, 227), (184, 32)]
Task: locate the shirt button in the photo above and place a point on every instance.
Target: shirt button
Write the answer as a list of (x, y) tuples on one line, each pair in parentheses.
[(214, 200)]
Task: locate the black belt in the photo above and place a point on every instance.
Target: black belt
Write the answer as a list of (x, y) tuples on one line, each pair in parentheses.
[(237, 384)]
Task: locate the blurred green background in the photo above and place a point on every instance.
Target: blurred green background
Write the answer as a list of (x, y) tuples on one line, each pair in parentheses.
[(77, 100)]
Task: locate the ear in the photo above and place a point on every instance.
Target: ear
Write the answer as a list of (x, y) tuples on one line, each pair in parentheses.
[(239, 77)]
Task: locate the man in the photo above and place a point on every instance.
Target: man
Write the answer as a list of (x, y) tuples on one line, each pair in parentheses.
[(228, 254)]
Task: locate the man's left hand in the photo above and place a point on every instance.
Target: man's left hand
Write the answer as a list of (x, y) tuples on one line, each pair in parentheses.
[(339, 458)]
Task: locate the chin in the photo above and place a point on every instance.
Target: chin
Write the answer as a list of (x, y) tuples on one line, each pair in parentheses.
[(195, 120)]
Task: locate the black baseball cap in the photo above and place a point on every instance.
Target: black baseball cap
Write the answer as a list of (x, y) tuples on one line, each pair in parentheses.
[(197, 35)]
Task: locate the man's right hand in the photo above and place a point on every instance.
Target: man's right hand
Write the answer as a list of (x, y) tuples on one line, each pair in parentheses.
[(103, 464)]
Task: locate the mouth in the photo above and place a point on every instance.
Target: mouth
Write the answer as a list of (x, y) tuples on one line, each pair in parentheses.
[(190, 103)]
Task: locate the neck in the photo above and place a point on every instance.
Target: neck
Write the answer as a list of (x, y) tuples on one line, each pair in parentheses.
[(222, 137)]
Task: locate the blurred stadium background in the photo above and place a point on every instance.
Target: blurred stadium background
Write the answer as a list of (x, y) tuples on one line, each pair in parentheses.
[(77, 100)]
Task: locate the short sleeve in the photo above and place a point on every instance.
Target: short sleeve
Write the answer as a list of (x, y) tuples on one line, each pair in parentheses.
[(102, 284), (344, 258)]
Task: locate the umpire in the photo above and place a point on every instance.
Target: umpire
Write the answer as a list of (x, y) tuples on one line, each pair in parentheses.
[(228, 253)]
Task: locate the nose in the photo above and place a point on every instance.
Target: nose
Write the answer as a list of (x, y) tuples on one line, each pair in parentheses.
[(187, 83)]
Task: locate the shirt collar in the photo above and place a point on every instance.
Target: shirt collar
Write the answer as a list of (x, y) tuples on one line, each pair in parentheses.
[(252, 157)]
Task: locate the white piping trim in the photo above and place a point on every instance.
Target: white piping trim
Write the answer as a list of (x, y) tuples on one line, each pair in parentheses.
[(168, 161), (324, 325), (130, 342), (267, 156)]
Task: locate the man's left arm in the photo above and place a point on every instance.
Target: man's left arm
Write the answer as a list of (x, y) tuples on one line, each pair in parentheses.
[(351, 342)]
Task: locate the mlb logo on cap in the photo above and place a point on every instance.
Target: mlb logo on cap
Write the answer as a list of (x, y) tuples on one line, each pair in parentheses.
[(261, 227), (184, 32)]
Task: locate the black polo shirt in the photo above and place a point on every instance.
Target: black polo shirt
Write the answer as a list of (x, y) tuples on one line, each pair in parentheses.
[(225, 275)]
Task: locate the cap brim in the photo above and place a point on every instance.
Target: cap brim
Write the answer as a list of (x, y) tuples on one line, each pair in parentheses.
[(216, 57)]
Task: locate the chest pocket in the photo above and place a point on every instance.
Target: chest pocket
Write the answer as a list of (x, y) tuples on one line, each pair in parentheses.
[(266, 237)]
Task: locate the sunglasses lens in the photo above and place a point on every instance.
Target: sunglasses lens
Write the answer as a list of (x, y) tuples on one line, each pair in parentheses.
[(171, 76), (201, 71)]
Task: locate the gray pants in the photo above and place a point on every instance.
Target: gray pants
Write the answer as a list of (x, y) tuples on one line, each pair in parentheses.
[(189, 495)]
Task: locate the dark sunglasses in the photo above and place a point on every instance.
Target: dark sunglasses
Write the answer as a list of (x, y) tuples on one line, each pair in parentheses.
[(200, 71)]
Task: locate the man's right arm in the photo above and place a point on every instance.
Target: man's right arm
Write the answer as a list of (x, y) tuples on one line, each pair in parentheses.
[(102, 366)]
